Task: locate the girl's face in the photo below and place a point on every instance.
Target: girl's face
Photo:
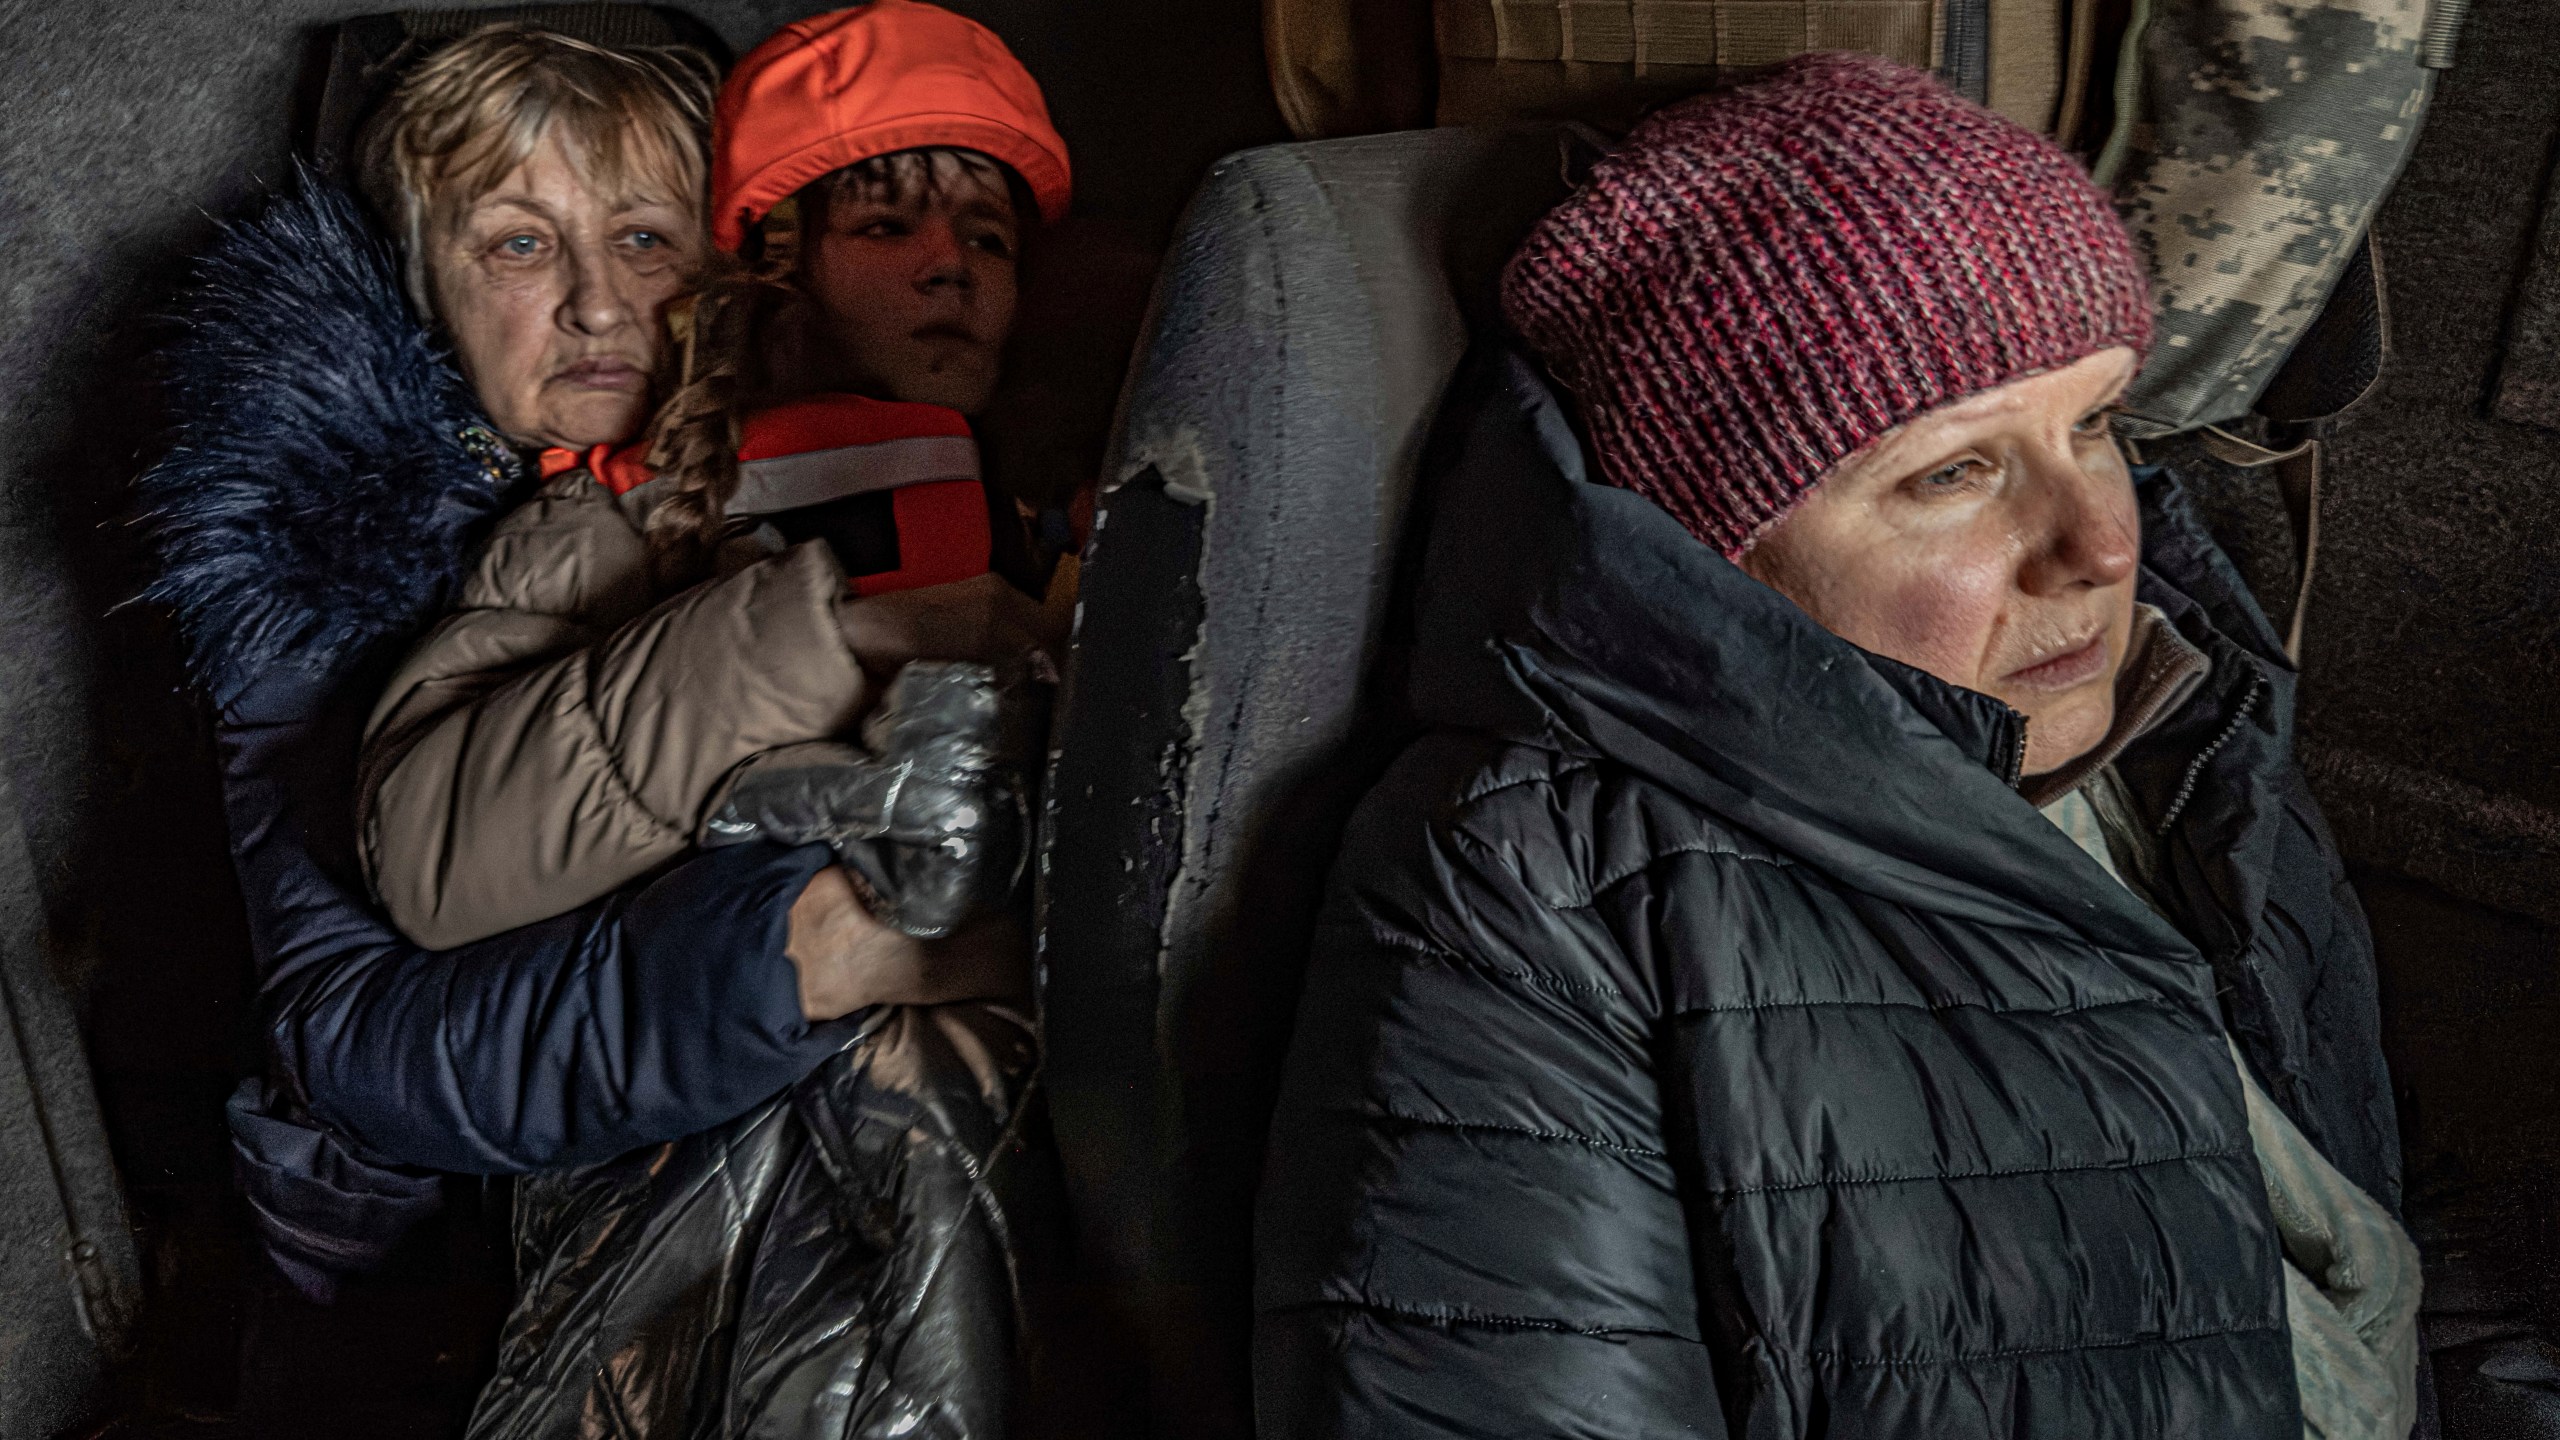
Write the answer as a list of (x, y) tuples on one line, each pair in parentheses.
[(1992, 543), (915, 290), (554, 295)]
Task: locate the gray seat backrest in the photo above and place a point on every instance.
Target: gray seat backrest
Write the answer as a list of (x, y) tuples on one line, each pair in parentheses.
[(1234, 691)]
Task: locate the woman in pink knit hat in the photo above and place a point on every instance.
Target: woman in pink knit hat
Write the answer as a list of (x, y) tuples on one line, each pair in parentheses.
[(1853, 953)]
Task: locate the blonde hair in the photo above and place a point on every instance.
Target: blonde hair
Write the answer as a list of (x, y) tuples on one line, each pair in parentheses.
[(472, 112), (726, 370)]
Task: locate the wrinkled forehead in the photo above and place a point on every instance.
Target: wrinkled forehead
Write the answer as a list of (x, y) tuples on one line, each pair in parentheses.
[(615, 162)]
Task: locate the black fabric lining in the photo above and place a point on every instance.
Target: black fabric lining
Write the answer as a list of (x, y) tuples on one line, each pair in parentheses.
[(1565, 1137), (1414, 946), (2019, 1352), (1828, 1182), (1459, 1315)]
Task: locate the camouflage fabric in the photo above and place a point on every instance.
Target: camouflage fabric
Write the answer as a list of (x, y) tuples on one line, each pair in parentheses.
[(2257, 138)]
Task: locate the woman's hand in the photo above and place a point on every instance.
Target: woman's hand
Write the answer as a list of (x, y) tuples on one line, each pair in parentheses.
[(847, 960), (981, 618)]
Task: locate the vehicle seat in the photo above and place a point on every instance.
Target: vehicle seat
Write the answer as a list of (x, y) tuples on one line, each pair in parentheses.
[(1233, 690)]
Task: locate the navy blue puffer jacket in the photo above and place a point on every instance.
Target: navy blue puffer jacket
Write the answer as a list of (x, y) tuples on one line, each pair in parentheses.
[(1703, 1038), (330, 475)]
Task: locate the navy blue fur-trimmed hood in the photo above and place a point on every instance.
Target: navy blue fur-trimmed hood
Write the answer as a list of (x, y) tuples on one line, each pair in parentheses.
[(331, 469)]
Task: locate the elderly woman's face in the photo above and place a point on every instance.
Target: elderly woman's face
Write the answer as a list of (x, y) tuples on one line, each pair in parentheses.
[(1992, 543), (553, 294)]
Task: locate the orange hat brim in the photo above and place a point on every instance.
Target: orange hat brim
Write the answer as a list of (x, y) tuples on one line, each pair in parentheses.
[(838, 89)]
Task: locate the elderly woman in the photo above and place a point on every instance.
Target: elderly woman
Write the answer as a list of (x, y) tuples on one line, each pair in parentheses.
[(1707, 1035), (661, 1057)]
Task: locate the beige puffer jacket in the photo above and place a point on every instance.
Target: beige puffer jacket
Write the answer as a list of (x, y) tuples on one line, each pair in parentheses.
[(561, 733)]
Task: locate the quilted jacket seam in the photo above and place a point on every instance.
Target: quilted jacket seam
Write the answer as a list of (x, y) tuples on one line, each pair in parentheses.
[(1468, 1315), (1596, 887), (1825, 1182), (608, 757), (1723, 850), (1473, 797), (1415, 945), (2012, 1352), (1530, 1132), (1932, 1006)]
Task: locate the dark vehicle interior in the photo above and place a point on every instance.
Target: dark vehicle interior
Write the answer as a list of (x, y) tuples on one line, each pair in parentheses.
[(1248, 353)]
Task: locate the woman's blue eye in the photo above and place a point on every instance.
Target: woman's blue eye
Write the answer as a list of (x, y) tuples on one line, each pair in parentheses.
[(1946, 475), (520, 246), (646, 239)]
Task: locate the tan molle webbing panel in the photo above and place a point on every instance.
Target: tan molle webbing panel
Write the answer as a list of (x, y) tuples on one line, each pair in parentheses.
[(1603, 61), (1350, 67), (2027, 60)]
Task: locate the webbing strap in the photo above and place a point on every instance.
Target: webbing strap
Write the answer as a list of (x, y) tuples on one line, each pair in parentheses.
[(2297, 475), (1650, 33)]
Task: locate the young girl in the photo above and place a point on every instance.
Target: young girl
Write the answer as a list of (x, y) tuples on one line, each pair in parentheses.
[(805, 517)]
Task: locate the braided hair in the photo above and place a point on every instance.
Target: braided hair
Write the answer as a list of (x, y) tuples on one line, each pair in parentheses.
[(751, 338)]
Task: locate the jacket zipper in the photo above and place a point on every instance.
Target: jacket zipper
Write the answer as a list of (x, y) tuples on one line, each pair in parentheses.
[(2195, 768)]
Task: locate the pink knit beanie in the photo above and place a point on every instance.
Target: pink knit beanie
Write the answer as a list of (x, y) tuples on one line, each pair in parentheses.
[(1764, 280)]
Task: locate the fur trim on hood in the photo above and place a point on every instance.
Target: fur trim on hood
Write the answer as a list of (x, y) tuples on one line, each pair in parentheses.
[(331, 468)]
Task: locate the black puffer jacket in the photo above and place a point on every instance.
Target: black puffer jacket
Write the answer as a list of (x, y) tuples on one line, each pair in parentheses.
[(1703, 1037)]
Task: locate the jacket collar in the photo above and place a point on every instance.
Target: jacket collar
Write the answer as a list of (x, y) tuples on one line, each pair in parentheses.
[(1581, 617), (2197, 778), (2160, 672), (331, 469)]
